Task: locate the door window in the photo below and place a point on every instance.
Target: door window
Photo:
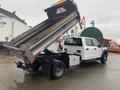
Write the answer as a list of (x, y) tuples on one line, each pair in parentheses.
[(89, 42), (73, 41), (95, 42)]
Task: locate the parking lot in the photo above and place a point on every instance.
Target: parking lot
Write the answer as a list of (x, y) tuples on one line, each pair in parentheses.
[(89, 76)]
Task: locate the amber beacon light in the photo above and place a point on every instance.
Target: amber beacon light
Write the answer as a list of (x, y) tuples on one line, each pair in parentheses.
[(61, 1)]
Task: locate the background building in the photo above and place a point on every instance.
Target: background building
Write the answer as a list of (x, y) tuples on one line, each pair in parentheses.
[(10, 25), (94, 32)]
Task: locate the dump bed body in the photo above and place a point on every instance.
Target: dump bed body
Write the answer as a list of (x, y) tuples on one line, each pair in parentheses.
[(44, 34)]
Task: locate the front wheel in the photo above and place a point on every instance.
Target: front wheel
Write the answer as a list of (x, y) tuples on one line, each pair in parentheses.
[(58, 70), (104, 58)]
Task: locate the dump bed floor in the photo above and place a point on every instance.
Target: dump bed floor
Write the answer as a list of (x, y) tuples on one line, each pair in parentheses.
[(39, 32), (26, 36)]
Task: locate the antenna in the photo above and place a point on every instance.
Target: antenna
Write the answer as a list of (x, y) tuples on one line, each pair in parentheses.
[(83, 22)]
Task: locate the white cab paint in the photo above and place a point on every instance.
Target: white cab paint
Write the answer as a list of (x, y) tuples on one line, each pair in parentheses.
[(88, 50), (74, 60)]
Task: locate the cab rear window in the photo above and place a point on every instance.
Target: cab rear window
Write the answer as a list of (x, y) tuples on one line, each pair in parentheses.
[(73, 41)]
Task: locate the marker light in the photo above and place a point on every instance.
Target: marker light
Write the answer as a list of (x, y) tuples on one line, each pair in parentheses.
[(61, 1)]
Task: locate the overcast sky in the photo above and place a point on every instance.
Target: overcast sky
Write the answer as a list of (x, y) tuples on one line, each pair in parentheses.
[(106, 13)]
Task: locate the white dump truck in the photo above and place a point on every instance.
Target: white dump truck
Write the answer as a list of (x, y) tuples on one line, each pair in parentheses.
[(31, 46)]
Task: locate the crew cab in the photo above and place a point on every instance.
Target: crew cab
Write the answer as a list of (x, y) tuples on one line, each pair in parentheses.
[(88, 48)]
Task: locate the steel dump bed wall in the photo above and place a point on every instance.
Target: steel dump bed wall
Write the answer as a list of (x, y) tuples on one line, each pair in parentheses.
[(24, 37), (41, 31), (51, 29), (53, 16), (61, 10), (42, 40)]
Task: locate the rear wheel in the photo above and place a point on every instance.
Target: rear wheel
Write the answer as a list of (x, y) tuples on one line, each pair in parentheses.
[(104, 58), (58, 70)]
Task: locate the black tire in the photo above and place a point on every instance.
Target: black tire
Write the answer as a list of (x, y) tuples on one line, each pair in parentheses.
[(35, 66), (58, 70), (104, 58)]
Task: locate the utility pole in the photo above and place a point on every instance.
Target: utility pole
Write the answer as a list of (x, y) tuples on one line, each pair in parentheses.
[(12, 29), (12, 26), (83, 23)]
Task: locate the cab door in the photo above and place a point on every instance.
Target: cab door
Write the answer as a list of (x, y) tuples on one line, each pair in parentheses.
[(73, 45), (97, 49), (88, 49)]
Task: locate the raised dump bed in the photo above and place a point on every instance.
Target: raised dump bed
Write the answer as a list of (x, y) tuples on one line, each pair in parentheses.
[(24, 37), (28, 45), (41, 36)]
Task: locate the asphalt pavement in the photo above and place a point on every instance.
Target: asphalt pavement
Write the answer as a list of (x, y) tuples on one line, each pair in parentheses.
[(89, 76)]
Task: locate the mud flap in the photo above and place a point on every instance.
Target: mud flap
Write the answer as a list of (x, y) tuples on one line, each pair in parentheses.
[(46, 66)]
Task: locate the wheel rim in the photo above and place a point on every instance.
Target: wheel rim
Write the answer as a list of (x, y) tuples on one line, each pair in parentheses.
[(59, 70), (105, 58)]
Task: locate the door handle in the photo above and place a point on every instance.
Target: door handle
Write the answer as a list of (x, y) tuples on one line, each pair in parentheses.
[(94, 48), (87, 49), (78, 51)]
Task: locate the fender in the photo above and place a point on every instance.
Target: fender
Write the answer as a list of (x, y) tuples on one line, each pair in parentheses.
[(105, 52)]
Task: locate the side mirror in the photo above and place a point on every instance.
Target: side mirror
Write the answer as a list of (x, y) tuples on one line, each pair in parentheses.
[(99, 46)]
